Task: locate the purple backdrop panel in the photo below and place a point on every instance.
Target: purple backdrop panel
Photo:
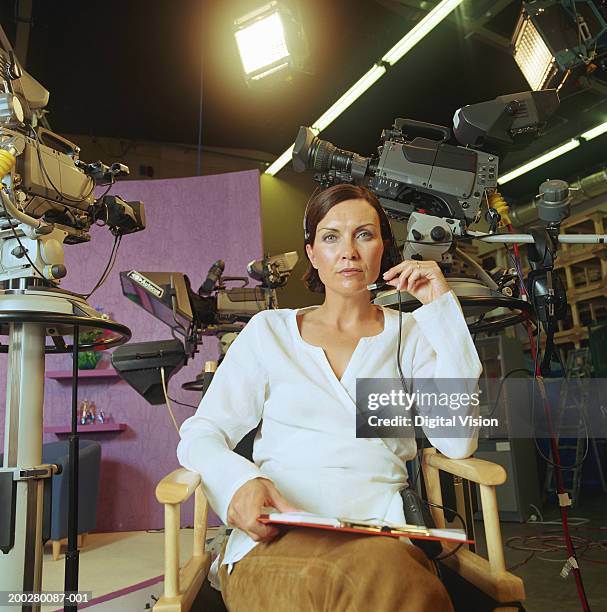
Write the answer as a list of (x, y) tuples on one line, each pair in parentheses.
[(191, 222)]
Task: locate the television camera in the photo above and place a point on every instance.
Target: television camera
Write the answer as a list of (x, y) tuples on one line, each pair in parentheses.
[(47, 199), (439, 189), (214, 309)]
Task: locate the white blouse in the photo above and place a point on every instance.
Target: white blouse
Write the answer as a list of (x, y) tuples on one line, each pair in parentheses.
[(307, 444)]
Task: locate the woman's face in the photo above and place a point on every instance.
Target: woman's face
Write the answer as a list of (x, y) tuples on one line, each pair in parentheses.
[(348, 247)]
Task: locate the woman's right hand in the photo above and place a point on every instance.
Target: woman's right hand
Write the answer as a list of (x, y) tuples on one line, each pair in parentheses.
[(248, 503)]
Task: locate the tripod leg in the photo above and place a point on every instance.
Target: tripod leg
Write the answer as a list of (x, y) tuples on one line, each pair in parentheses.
[(21, 567)]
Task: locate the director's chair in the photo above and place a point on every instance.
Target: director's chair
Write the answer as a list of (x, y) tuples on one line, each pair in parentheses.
[(473, 582)]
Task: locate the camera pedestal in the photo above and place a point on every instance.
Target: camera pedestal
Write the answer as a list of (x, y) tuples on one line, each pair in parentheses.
[(27, 317), (476, 300)]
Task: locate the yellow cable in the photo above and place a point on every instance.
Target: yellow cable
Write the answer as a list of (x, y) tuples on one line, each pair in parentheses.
[(497, 201), (7, 162), (166, 397)]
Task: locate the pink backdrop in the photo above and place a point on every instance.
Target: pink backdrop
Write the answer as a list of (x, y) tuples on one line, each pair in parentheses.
[(191, 222)]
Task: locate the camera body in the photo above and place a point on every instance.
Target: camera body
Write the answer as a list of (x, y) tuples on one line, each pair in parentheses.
[(417, 169), (48, 193)]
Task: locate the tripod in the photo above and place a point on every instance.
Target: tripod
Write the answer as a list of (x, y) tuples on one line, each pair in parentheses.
[(28, 315)]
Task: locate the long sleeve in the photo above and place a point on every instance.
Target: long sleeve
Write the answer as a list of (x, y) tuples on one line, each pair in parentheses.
[(445, 350), (231, 407)]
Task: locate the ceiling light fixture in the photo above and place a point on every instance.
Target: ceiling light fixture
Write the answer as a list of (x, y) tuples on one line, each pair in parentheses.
[(556, 37), (270, 40), (409, 40)]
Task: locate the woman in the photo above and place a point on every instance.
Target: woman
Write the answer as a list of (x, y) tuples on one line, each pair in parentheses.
[(295, 371)]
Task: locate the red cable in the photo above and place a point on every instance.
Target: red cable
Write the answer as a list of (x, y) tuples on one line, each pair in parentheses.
[(556, 458)]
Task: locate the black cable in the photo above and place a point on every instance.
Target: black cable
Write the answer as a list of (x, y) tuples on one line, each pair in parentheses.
[(564, 468), (182, 403), (108, 267), (551, 463), (499, 389), (479, 320), (459, 516), (398, 345), (404, 384), (51, 283), (418, 455), (106, 192), (402, 377)]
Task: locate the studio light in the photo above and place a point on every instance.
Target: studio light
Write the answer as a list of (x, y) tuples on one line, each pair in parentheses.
[(270, 40), (554, 38), (532, 55), (401, 48)]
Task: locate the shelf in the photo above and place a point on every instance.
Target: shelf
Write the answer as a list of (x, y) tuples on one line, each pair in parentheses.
[(82, 374), (96, 428)]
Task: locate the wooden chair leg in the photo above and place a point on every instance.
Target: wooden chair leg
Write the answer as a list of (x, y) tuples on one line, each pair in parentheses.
[(82, 542), (56, 549)]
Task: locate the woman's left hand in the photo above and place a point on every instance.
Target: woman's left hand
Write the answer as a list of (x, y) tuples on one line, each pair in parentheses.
[(424, 280)]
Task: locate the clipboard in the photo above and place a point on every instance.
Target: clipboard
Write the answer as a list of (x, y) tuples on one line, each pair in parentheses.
[(305, 519)]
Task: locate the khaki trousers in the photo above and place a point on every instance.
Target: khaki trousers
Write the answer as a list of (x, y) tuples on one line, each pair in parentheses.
[(310, 570)]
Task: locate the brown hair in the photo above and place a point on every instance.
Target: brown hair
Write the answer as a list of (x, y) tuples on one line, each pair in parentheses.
[(321, 203)]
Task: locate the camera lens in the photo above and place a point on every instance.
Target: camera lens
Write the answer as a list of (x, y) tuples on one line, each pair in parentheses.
[(310, 152)]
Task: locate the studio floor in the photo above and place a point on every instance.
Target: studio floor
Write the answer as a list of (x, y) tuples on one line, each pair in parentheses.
[(124, 570), (546, 590)]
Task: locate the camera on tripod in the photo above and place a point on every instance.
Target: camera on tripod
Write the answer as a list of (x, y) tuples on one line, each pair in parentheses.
[(47, 199)]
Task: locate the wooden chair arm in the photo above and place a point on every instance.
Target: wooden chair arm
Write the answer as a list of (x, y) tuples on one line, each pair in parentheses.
[(177, 487), (181, 584), (489, 575), (477, 470)]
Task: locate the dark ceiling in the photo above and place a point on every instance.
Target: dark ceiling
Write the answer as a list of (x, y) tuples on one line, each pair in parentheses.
[(132, 69)]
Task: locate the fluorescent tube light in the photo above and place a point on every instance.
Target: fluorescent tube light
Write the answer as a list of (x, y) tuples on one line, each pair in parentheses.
[(595, 131), (409, 40), (538, 161), (279, 163), (357, 90), (415, 34)]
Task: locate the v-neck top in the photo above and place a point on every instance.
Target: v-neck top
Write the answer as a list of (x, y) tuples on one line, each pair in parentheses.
[(307, 443), (359, 348)]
